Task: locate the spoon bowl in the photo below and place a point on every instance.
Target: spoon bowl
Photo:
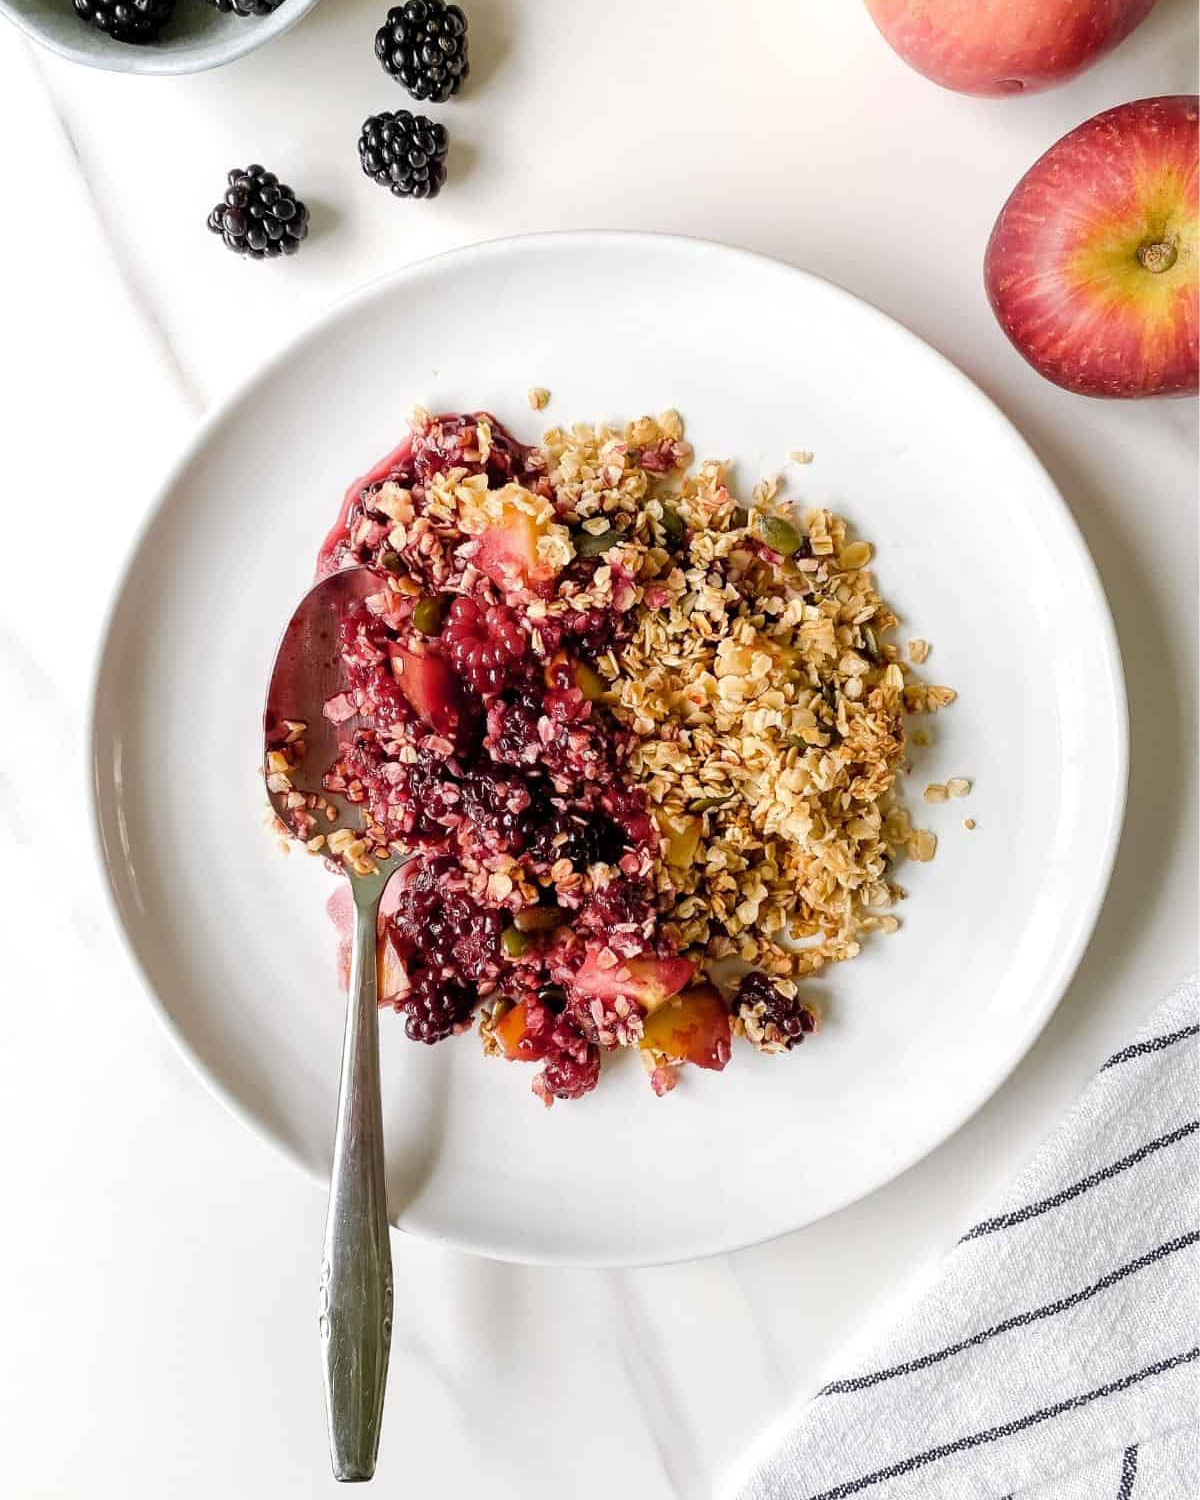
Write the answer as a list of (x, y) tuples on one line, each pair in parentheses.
[(307, 674)]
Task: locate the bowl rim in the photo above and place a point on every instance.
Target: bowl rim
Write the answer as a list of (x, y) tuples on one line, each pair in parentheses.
[(155, 61)]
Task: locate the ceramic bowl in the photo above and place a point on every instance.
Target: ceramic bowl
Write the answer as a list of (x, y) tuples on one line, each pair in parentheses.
[(198, 35)]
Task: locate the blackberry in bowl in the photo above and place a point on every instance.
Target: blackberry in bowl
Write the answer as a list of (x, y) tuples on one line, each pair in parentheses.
[(154, 36), (247, 7), (133, 21)]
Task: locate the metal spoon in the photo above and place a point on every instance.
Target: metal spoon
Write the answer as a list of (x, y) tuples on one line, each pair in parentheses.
[(356, 1268)]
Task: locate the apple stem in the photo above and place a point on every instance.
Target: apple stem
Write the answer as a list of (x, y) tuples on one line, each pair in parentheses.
[(1157, 255)]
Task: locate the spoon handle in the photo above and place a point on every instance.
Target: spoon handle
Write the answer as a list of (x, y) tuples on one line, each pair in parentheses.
[(356, 1270)]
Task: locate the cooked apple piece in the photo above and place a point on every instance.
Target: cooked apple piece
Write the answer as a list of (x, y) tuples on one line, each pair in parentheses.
[(392, 977), (647, 980), (508, 546), (693, 1027), (429, 684), (682, 835), (516, 1041), (577, 673)]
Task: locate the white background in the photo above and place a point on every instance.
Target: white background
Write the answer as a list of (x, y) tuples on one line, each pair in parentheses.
[(159, 1262)]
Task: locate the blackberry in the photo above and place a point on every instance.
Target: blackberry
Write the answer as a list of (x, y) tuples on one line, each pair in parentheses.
[(568, 1077), (135, 21), (552, 997), (485, 646), (596, 631), (583, 838), (622, 912), (404, 152), (247, 7), (423, 45), (435, 1008), (775, 1020), (260, 216), (442, 928), (501, 808)]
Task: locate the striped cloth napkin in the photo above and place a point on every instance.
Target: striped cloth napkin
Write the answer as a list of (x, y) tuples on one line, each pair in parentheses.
[(1057, 1356)]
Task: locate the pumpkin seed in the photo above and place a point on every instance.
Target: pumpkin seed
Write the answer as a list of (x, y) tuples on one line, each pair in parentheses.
[(430, 613), (587, 545), (515, 943), (672, 524), (539, 918), (780, 535), (706, 804)]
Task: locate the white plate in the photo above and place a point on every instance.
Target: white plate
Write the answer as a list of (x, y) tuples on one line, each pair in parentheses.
[(974, 548)]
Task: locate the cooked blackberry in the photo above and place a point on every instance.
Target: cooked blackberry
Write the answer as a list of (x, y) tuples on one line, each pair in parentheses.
[(435, 1008), (775, 1018), (247, 7), (404, 152), (136, 21), (584, 839), (568, 1077), (503, 808), (259, 216), (436, 926), (553, 997), (423, 45), (485, 646)]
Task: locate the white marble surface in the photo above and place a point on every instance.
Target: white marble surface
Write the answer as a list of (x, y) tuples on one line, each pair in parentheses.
[(158, 1261)]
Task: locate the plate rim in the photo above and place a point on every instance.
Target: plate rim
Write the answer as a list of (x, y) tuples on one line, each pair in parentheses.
[(1106, 638)]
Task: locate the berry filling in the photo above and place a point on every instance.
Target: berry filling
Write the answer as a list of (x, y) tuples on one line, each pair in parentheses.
[(480, 739)]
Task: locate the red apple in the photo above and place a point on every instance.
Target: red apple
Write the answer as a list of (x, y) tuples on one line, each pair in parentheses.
[(1091, 267), (1004, 46)]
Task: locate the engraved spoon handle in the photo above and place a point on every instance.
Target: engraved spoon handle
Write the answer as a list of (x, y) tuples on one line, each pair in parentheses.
[(356, 1271)]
